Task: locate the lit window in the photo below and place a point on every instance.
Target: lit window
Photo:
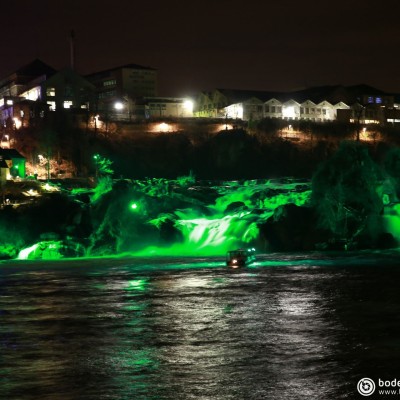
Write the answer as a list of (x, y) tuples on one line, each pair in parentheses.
[(52, 105), (50, 92), (110, 82), (9, 102), (67, 104)]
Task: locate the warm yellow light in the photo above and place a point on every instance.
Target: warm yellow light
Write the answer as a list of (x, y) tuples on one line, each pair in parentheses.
[(17, 123), (163, 127), (288, 112), (225, 127), (188, 105)]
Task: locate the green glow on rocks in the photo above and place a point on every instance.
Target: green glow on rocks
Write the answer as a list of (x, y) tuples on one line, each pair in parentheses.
[(218, 232), (210, 225), (391, 220), (45, 250)]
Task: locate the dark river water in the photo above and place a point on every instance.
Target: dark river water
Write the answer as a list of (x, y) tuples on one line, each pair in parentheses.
[(289, 327)]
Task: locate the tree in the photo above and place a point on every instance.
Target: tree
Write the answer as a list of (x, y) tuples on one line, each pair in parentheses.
[(103, 165), (345, 190)]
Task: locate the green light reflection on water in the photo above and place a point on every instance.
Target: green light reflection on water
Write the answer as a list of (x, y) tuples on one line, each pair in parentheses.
[(137, 284), (137, 307)]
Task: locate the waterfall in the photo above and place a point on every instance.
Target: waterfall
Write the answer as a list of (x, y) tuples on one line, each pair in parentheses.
[(25, 253)]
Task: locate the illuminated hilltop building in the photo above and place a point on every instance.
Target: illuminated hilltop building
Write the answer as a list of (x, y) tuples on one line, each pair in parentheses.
[(118, 88), (360, 103), (37, 88), (130, 92)]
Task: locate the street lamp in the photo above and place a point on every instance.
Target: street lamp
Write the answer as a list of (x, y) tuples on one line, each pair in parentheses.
[(118, 106)]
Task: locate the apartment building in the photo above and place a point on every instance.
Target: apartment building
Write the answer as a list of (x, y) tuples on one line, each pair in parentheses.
[(122, 85), (37, 88)]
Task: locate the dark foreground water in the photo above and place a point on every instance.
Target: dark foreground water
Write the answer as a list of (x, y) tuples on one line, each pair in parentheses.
[(290, 327)]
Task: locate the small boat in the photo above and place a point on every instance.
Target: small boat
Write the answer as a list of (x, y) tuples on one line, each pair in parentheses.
[(240, 257)]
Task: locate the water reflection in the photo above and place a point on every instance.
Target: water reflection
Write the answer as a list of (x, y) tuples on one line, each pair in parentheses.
[(128, 332)]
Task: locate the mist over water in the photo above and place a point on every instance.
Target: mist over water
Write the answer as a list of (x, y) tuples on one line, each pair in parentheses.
[(292, 326)]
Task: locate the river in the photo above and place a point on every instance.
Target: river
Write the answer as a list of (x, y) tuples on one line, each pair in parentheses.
[(291, 326)]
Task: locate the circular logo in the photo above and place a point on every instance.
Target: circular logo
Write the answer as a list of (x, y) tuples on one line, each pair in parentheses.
[(366, 386)]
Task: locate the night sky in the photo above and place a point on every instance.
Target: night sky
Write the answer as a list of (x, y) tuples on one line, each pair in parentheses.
[(207, 44)]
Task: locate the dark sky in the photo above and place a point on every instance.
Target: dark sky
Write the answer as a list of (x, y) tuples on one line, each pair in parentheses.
[(207, 44)]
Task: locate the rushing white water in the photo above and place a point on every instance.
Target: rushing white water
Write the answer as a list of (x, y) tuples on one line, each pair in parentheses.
[(25, 254), (231, 221)]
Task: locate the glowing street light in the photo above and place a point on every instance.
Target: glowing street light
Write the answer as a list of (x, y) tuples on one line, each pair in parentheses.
[(123, 107), (17, 123), (118, 105), (188, 106)]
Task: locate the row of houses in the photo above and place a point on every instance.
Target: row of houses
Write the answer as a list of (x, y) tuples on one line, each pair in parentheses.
[(359, 103), (130, 92)]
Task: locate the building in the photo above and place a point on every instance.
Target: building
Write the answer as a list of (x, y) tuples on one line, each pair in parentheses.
[(359, 103), (37, 88), (170, 107), (64, 90), (14, 84), (13, 113), (227, 103), (119, 87)]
